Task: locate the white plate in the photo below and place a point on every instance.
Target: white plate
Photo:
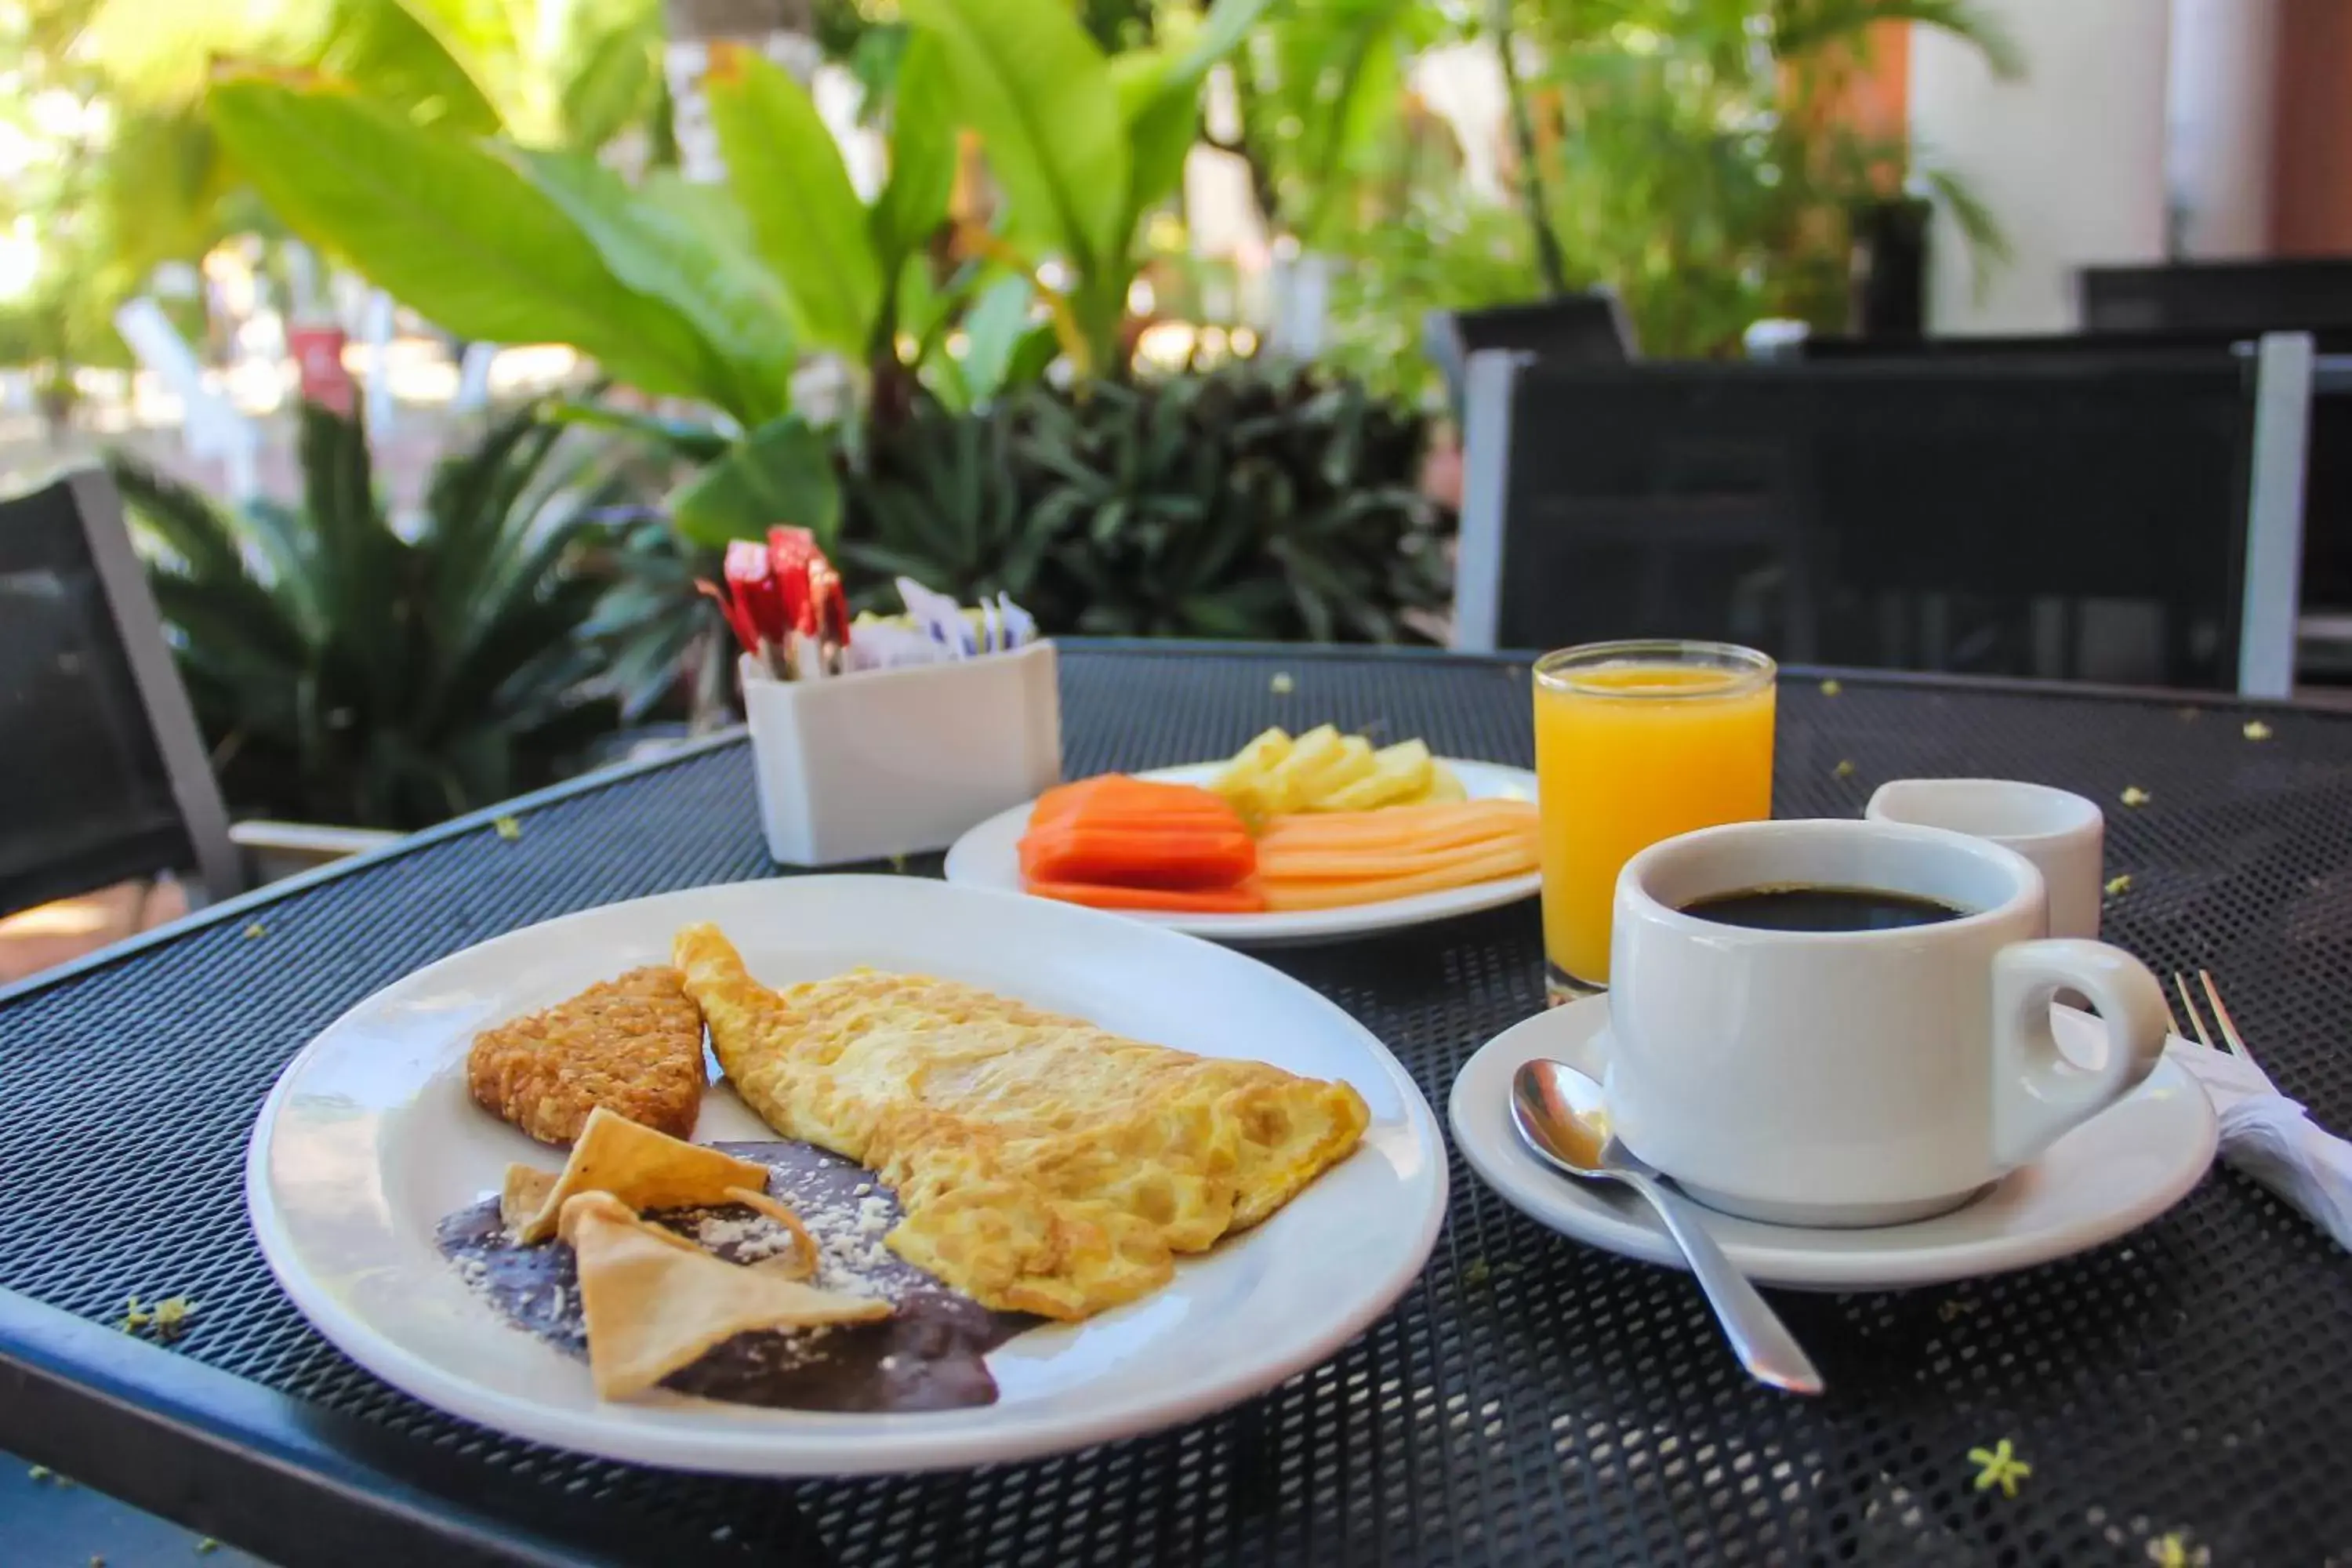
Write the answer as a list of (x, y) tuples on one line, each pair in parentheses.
[(990, 856), (368, 1139), (2117, 1171)]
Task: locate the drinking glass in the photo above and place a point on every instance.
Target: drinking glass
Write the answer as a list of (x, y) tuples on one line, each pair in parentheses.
[(1636, 742)]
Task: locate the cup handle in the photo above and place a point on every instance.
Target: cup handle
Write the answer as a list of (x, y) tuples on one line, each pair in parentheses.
[(2037, 1093)]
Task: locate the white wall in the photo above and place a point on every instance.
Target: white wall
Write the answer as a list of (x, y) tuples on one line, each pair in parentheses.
[(2225, 74), (2071, 158)]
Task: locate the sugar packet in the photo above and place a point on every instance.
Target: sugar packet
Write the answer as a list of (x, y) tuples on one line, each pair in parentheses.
[(939, 617)]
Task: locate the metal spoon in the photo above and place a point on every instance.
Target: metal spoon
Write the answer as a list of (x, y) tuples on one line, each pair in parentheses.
[(1558, 1112)]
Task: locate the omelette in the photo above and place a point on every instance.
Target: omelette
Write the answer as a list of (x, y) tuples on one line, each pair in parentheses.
[(1043, 1164)]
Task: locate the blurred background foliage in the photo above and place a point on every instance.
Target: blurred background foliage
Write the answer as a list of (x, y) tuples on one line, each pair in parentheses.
[(934, 277), (1687, 153), (120, 171)]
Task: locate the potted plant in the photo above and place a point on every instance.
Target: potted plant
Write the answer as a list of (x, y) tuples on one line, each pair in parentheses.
[(352, 672)]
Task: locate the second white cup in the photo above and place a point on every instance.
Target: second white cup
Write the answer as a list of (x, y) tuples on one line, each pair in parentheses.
[(2063, 835)]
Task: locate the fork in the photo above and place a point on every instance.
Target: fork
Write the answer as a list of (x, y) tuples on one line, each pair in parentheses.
[(2220, 1014)]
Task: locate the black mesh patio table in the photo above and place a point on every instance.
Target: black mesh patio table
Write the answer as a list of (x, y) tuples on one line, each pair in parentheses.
[(2183, 1394)]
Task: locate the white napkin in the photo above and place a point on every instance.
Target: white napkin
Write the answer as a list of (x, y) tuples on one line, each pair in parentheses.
[(2267, 1136)]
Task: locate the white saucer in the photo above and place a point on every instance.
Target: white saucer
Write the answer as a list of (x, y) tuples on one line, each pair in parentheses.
[(2117, 1171)]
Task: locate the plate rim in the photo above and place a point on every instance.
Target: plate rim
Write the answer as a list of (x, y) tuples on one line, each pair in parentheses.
[(1793, 1267), (1300, 925), (831, 1443)]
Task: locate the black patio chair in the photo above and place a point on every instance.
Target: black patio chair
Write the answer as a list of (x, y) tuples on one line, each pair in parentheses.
[(106, 779), (1588, 328), (2324, 628), (2291, 294), (2136, 520)]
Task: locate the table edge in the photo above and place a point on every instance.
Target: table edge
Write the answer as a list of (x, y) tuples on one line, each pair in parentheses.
[(261, 1470)]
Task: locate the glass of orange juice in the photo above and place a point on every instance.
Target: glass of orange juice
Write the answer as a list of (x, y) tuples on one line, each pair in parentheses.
[(1636, 742)]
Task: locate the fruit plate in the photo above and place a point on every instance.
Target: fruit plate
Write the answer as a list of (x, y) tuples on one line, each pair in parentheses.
[(369, 1138), (989, 855)]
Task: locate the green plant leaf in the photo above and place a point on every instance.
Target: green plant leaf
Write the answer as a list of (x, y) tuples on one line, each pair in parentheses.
[(250, 622), (1988, 246), (993, 331), (404, 58), (788, 176), (926, 307), (1032, 355), (1039, 91), (696, 440), (1160, 98), (477, 40), (471, 494), (280, 537), (780, 473), (608, 69), (1162, 121), (922, 154), (662, 243), (1801, 26), (1371, 76), (1218, 34), (451, 230), (943, 375)]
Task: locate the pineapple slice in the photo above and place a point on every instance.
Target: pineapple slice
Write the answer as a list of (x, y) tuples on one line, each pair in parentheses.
[(1400, 773), (1443, 786), (1323, 770), (1246, 781), (1260, 755), (1296, 779), (1351, 767)]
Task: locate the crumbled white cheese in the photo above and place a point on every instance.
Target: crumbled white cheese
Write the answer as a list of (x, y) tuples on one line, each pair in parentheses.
[(748, 1238), (847, 1225)]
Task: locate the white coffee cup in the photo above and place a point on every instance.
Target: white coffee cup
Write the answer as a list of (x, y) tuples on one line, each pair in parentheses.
[(2063, 835), (1863, 1076)]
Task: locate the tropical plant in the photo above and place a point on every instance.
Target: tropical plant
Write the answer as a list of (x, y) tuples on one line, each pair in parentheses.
[(1442, 248), (706, 293), (660, 282), (855, 276), (1698, 158), (679, 290), (1245, 500), (1695, 155), (665, 648), (942, 501), (349, 670), (1321, 89), (1084, 144)]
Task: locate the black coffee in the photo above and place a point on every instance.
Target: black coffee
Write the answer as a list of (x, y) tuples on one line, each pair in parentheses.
[(1821, 909)]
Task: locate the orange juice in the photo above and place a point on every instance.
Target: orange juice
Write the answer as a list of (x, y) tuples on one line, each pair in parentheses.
[(1637, 742)]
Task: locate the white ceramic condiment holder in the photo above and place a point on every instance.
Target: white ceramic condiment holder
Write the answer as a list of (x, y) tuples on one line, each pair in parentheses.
[(892, 761)]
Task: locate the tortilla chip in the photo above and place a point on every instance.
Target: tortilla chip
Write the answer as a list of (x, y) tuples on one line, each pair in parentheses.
[(655, 1302), (800, 1262), (644, 1168), (524, 1194)]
